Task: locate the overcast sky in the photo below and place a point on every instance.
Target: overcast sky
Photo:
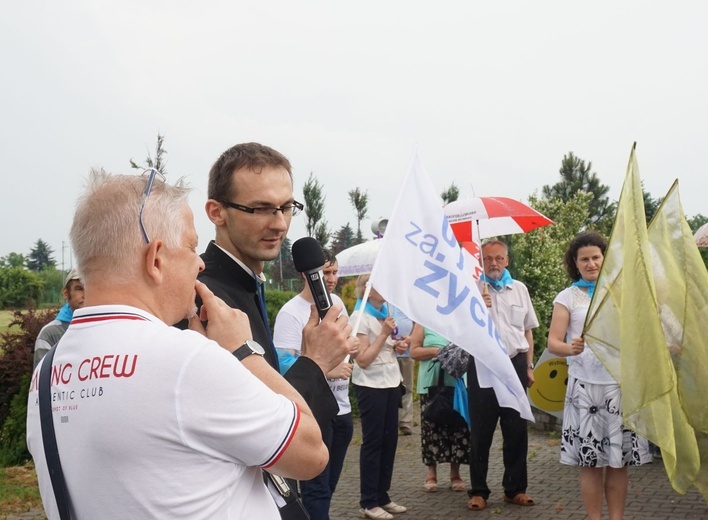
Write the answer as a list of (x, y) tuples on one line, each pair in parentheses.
[(492, 93)]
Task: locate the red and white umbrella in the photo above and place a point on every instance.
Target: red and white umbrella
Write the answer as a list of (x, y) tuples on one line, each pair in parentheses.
[(492, 216)]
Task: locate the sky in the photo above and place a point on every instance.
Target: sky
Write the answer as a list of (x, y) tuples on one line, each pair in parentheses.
[(492, 94)]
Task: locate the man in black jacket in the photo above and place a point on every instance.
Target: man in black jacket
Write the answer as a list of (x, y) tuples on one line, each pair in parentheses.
[(251, 204)]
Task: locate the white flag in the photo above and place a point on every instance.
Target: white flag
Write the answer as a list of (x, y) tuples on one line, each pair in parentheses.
[(421, 270)]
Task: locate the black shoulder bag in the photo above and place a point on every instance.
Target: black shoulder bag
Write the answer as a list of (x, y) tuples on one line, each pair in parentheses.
[(440, 409), (49, 439), (293, 509)]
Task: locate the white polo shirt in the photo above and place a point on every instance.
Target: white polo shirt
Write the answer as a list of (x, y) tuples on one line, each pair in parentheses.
[(155, 422), (513, 314)]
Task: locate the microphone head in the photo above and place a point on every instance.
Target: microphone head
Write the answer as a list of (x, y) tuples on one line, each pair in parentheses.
[(307, 255)]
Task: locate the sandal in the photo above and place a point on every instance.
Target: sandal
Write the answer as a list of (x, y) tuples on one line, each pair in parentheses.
[(521, 499), (431, 485), (457, 484), (476, 503)]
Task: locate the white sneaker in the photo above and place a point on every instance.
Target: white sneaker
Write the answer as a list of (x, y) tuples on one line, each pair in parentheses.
[(376, 513), (392, 507)]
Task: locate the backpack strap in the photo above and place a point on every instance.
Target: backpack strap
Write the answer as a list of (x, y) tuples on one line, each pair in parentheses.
[(51, 451)]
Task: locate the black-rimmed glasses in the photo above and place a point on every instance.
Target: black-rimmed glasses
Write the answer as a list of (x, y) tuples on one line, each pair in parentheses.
[(152, 173), (288, 210)]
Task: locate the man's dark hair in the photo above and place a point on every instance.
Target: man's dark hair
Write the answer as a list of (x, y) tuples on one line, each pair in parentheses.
[(330, 257), (253, 156), (589, 238)]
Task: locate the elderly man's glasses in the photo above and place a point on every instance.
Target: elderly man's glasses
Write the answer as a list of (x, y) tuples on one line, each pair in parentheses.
[(151, 173), (497, 259), (288, 210)]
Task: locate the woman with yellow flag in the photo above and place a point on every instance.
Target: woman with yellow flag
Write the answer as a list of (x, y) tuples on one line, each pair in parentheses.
[(594, 437)]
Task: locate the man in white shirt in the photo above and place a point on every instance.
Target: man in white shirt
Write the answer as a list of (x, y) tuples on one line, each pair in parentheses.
[(151, 421), (512, 311), (287, 336)]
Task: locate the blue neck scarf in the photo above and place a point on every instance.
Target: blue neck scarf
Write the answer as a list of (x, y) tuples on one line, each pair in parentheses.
[(370, 309), (500, 284), (65, 314), (582, 283)]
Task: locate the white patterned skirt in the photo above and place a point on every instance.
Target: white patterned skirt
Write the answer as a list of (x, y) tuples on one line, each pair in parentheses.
[(593, 433)]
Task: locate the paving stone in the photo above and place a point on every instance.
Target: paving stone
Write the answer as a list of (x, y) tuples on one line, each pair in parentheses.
[(555, 487)]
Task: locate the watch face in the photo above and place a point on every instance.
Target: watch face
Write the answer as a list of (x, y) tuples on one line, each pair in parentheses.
[(255, 347)]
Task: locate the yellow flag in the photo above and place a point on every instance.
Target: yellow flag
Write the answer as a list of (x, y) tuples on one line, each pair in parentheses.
[(624, 330), (681, 282)]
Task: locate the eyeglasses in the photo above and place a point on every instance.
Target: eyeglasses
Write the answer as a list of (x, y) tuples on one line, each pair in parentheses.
[(288, 210), (497, 259), (152, 173)]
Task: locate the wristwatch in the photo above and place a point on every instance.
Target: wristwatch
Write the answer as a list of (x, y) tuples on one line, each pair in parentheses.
[(248, 348), (531, 366)]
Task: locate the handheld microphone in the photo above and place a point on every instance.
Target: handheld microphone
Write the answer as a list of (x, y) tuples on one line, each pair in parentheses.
[(309, 259)]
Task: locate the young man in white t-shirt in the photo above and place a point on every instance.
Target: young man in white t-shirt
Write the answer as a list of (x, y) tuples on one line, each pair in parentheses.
[(317, 493)]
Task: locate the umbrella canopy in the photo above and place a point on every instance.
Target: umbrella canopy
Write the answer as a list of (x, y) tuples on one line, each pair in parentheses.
[(701, 236), (358, 259), (495, 216)]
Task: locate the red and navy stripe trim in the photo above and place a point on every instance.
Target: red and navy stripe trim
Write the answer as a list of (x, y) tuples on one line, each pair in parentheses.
[(106, 316), (286, 442)]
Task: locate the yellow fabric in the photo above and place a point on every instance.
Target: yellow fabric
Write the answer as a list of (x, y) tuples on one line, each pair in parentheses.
[(682, 294), (624, 330)]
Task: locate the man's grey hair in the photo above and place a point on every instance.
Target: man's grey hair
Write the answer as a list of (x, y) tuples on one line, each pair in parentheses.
[(105, 234), (496, 243)]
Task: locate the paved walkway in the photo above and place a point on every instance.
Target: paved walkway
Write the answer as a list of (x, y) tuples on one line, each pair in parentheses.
[(555, 487)]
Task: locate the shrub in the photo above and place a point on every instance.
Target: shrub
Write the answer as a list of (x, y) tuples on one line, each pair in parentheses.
[(349, 295), (13, 443), (16, 353)]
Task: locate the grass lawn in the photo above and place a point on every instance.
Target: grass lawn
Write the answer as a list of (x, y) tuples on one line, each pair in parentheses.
[(18, 490), (5, 319)]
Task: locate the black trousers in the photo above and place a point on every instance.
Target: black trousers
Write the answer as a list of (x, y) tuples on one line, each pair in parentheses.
[(484, 414), (379, 427)]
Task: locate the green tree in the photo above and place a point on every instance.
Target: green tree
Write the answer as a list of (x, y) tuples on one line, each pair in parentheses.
[(451, 194), (343, 239), (52, 284), (650, 204), (13, 260), (282, 269), (40, 257), (537, 256), (314, 203), (577, 176), (159, 162), (322, 234), (694, 223), (697, 221), (360, 201), (19, 287)]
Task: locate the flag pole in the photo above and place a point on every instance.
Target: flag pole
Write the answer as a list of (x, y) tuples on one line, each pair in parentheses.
[(485, 287)]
